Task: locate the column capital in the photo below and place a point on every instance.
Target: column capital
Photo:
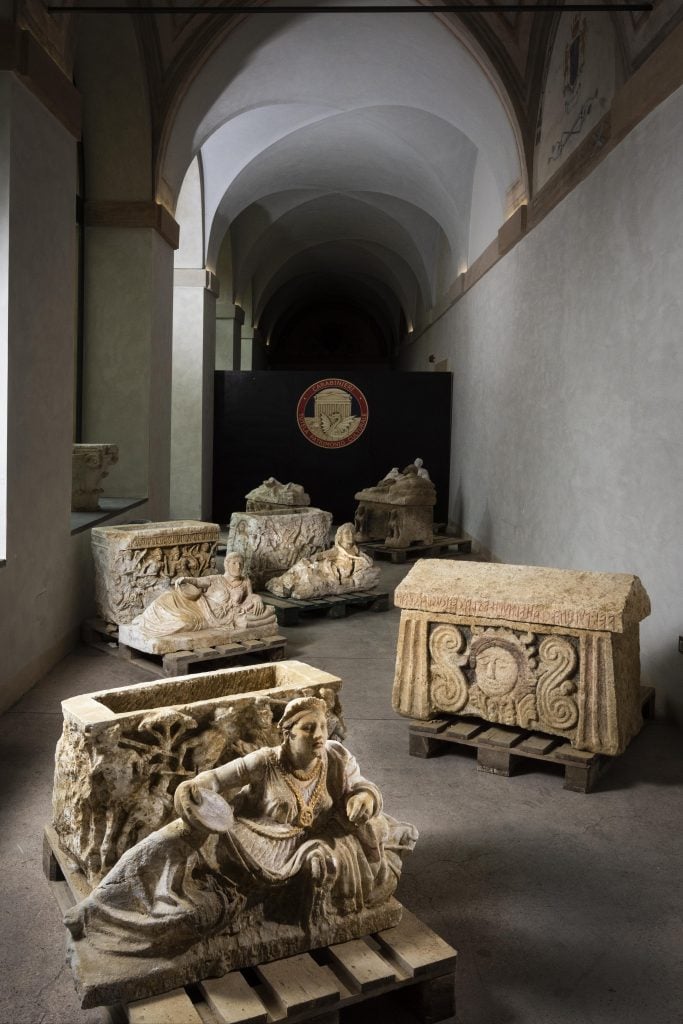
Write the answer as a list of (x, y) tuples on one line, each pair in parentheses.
[(123, 213), (23, 55), (199, 277)]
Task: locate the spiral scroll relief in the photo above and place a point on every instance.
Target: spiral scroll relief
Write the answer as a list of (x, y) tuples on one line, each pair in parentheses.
[(449, 689), (507, 676), (555, 690)]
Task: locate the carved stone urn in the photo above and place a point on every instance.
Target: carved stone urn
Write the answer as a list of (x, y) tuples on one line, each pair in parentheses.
[(90, 464), (549, 650)]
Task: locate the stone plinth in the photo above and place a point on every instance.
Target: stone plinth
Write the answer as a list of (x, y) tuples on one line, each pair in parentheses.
[(136, 563), (271, 542), (123, 752), (272, 495), (89, 465), (551, 650), (399, 510), (106, 980), (133, 636)]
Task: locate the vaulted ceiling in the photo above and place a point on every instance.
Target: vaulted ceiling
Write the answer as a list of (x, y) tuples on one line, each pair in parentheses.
[(378, 147), (375, 155)]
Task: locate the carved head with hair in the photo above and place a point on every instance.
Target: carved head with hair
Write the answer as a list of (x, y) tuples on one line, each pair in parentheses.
[(299, 708), (345, 538)]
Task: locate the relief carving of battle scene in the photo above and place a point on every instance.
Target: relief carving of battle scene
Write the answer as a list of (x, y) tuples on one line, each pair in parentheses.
[(136, 563)]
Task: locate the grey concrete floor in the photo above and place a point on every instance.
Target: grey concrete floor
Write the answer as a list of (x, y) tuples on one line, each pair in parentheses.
[(565, 908)]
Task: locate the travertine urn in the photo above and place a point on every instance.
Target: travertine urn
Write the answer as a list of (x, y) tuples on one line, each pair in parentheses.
[(123, 752), (90, 463), (223, 829), (134, 563), (551, 650), (272, 541), (399, 510)]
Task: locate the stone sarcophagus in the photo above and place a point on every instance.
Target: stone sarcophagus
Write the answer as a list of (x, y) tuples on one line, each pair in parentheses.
[(123, 753), (223, 825), (399, 510), (134, 563), (271, 542), (551, 650)]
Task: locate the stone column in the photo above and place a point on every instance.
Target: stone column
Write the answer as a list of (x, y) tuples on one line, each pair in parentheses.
[(246, 346), (194, 358), (229, 320)]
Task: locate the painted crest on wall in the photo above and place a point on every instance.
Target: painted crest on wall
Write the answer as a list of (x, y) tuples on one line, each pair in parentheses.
[(332, 413), (574, 59)]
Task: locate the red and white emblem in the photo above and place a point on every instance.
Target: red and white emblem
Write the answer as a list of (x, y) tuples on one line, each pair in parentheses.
[(332, 413)]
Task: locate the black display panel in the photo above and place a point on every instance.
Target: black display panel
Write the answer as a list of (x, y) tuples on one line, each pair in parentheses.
[(257, 435)]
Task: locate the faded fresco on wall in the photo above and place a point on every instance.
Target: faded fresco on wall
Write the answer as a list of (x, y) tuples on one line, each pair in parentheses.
[(580, 82)]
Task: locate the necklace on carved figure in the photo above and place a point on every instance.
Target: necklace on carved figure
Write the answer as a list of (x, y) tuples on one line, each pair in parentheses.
[(305, 808)]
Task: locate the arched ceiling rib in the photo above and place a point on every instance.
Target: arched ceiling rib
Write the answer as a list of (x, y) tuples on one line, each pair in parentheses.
[(408, 154), (356, 140), (265, 244), (305, 290), (350, 260), (343, 63)]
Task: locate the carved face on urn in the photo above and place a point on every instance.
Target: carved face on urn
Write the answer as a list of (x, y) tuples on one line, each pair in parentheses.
[(496, 669)]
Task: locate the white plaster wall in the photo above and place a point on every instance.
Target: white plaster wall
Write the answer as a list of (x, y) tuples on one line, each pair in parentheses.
[(190, 216), (116, 119), (225, 338), (487, 212), (127, 318), (5, 136), (43, 585), (160, 347), (568, 387)]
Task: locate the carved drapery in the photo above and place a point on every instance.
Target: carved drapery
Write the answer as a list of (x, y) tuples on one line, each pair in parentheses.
[(114, 784)]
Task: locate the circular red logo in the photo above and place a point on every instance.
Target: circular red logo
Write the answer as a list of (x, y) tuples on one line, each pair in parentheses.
[(332, 413)]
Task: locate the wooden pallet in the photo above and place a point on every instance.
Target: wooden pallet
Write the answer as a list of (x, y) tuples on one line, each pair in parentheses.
[(288, 610), (501, 749), (96, 633), (402, 974), (441, 545)]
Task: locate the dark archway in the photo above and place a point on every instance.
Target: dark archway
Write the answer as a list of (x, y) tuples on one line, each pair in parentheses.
[(327, 333)]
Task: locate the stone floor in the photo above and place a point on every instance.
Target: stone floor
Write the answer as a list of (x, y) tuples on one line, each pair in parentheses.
[(565, 908)]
